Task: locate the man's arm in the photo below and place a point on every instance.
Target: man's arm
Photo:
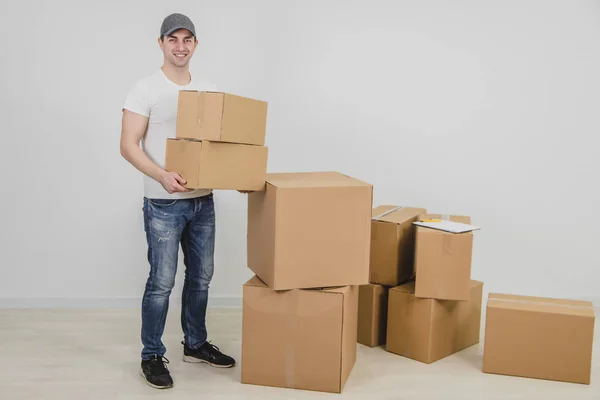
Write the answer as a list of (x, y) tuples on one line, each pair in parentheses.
[(132, 130)]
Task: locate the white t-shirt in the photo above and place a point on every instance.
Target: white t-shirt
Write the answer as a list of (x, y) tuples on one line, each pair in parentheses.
[(155, 97)]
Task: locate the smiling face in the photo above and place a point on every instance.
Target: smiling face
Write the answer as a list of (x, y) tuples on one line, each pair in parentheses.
[(178, 47)]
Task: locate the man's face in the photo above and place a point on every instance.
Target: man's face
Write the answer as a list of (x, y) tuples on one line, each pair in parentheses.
[(178, 47)]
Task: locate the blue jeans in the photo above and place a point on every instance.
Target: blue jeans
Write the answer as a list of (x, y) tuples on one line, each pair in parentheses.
[(169, 223)]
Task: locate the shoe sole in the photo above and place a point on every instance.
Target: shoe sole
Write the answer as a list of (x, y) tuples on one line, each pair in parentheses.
[(153, 385), (190, 359)]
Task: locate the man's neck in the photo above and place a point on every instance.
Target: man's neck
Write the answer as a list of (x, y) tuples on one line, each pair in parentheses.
[(180, 76)]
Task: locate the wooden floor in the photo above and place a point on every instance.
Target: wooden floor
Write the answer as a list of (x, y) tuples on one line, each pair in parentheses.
[(94, 354)]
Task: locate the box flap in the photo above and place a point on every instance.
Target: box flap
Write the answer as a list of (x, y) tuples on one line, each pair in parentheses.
[(408, 287), (541, 304), (341, 289), (396, 214), (313, 180), (255, 281)]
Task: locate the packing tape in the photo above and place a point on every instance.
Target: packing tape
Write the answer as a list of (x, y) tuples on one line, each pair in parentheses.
[(201, 116), (290, 347), (542, 303), (386, 213), (447, 244)]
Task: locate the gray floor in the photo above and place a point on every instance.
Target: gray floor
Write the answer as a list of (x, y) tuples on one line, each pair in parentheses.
[(93, 354)]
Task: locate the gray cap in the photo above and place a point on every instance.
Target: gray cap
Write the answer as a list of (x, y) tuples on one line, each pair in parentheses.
[(176, 21)]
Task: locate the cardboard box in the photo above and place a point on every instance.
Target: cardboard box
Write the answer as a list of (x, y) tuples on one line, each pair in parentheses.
[(443, 261), (221, 117), (300, 338), (310, 230), (393, 244), (428, 330), (372, 314), (214, 165), (539, 337)]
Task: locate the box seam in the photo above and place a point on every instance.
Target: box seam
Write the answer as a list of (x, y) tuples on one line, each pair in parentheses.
[(222, 114), (342, 343), (430, 333), (202, 152)]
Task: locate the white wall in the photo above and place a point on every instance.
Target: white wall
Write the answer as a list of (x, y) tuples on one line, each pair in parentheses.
[(488, 109)]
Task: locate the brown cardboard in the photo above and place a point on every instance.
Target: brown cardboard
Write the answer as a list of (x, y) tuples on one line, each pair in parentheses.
[(443, 261), (300, 338), (428, 330), (372, 314), (393, 244), (538, 337), (310, 230), (215, 165), (222, 117)]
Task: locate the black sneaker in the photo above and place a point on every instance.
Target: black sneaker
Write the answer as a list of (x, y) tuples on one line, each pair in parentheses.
[(156, 373), (207, 353)]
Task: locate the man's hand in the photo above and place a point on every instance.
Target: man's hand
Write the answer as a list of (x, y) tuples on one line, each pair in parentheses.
[(172, 182), (133, 129)]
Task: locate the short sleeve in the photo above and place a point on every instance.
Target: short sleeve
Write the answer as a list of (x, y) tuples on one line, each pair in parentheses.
[(138, 99)]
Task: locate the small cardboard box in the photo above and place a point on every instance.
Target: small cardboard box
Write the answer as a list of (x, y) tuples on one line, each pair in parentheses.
[(538, 337), (428, 330), (215, 165), (372, 314), (443, 261), (310, 230), (300, 338), (393, 244), (221, 117)]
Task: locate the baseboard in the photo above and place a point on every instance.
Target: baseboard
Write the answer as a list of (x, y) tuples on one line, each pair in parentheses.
[(103, 302)]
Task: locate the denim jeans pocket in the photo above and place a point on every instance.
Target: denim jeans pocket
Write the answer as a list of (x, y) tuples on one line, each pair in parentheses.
[(162, 202)]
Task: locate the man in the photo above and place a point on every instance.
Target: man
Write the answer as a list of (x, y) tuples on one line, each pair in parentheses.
[(173, 215)]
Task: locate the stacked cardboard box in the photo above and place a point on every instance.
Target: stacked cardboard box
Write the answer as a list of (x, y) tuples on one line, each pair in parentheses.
[(331, 271), (391, 263), (439, 312), (219, 142), (309, 246), (420, 302)]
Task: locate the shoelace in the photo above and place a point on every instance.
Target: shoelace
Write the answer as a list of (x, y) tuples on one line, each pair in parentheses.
[(159, 365), (215, 348)]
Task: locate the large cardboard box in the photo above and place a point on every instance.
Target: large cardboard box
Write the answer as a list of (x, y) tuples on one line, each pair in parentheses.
[(300, 338), (372, 314), (215, 165), (538, 337), (443, 261), (310, 230), (428, 330), (221, 117), (393, 244)]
